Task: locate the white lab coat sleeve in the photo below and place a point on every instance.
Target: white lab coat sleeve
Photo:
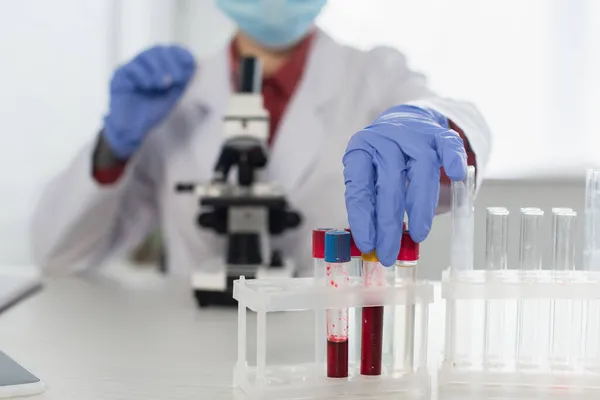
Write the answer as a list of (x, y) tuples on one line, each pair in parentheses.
[(400, 85), (79, 223)]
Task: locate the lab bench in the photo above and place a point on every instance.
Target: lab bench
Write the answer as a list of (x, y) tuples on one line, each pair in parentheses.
[(125, 334)]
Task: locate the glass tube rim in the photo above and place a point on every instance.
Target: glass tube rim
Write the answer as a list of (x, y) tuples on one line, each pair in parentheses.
[(497, 211), (571, 213), (533, 211), (559, 210)]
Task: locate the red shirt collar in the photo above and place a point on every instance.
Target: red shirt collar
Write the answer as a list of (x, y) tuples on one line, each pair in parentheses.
[(289, 74)]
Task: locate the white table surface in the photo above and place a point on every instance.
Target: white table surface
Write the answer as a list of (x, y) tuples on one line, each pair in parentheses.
[(136, 335), (17, 282)]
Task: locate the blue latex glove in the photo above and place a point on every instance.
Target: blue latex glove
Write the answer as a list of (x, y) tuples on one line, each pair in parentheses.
[(142, 93), (393, 165)]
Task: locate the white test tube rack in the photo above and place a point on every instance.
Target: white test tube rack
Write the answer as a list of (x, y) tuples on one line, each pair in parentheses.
[(564, 310), (309, 381), (466, 296)]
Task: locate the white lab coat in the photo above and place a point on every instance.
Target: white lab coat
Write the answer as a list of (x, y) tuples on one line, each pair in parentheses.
[(79, 224)]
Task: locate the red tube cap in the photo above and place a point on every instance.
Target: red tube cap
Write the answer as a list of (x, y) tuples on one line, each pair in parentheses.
[(409, 249), (318, 242), (354, 251)]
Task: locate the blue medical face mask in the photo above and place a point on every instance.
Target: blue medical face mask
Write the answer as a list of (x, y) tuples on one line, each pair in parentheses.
[(273, 23)]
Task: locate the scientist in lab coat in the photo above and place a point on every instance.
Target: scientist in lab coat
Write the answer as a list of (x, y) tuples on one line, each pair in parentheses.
[(356, 137)]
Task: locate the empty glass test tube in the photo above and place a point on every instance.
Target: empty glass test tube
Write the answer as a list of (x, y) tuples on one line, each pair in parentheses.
[(405, 316), (337, 258), (355, 313), (562, 324), (530, 256), (529, 323), (318, 250), (592, 264), (461, 260), (564, 223), (592, 221), (496, 259), (463, 195), (496, 239)]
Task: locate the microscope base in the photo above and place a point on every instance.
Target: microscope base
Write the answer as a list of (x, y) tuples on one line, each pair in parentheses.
[(206, 298), (216, 288)]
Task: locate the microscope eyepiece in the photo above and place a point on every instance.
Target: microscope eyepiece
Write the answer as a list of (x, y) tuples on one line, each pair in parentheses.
[(250, 75), (185, 187)]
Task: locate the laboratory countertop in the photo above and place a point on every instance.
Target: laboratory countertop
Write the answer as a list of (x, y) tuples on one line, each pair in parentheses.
[(130, 335)]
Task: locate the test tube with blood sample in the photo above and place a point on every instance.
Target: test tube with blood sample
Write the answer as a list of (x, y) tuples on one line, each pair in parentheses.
[(374, 274), (337, 258)]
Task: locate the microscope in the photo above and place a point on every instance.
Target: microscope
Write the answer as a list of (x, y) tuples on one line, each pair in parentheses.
[(249, 213)]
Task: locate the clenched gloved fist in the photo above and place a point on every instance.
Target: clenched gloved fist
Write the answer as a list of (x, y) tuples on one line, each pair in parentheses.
[(142, 93), (393, 165)]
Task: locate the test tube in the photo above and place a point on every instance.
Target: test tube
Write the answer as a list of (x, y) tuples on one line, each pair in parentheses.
[(318, 250), (463, 195), (355, 322), (390, 321), (528, 319), (592, 221), (496, 239), (563, 256), (530, 256), (496, 259), (563, 239), (591, 328), (337, 269), (374, 274), (406, 271), (461, 254), (592, 264)]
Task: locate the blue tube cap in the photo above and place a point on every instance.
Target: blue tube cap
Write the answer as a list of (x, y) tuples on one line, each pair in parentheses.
[(337, 246)]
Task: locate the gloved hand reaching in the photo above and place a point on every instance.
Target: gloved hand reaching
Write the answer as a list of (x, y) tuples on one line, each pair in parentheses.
[(393, 165), (142, 93)]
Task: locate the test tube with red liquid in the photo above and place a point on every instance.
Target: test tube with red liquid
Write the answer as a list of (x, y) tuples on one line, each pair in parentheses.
[(374, 275), (337, 266), (318, 250)]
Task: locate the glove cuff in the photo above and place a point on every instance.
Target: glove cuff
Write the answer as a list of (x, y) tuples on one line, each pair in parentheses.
[(104, 154), (112, 145)]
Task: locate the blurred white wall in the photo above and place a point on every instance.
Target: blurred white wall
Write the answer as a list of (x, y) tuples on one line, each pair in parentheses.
[(139, 24), (53, 71), (531, 67)]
